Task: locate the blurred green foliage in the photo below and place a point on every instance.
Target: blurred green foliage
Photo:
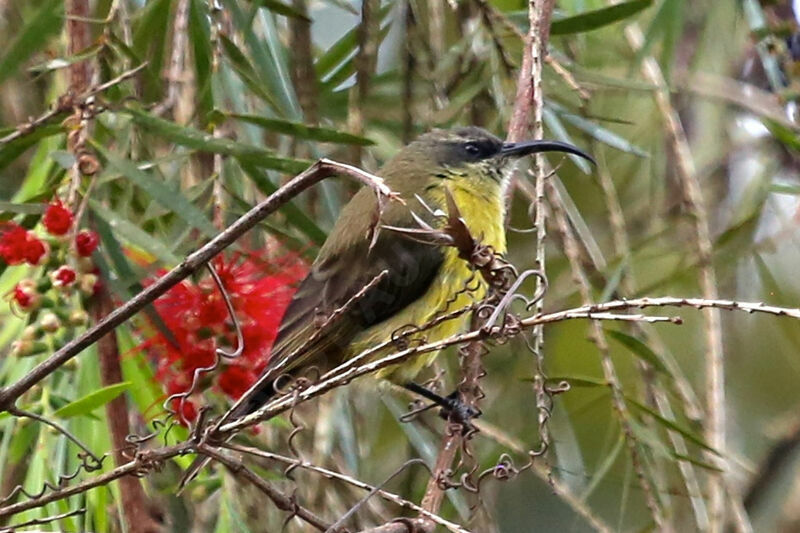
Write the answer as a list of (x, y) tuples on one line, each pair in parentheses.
[(219, 118)]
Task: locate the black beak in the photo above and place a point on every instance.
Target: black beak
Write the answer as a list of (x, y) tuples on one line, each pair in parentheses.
[(533, 147)]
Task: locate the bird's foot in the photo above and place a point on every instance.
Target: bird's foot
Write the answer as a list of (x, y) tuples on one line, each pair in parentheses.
[(453, 409)]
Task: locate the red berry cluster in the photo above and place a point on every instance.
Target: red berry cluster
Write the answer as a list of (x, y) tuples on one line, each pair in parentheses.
[(260, 288), (46, 295)]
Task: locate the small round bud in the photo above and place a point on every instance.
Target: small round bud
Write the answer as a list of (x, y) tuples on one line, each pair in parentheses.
[(63, 277), (22, 348), (25, 296), (50, 322), (86, 242), (87, 284), (30, 333), (78, 317)]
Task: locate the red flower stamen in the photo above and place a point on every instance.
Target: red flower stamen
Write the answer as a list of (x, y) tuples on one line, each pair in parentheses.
[(86, 242), (57, 218), (260, 289), (63, 276)]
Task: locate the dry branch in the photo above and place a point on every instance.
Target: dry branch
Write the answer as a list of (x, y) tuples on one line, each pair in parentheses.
[(320, 170)]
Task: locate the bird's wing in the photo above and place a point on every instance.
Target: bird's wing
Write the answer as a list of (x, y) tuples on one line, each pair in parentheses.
[(411, 268)]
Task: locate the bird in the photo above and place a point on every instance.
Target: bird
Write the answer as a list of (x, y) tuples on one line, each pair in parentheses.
[(376, 283), (421, 279)]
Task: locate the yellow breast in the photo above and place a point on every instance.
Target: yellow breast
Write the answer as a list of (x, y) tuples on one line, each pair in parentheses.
[(481, 207)]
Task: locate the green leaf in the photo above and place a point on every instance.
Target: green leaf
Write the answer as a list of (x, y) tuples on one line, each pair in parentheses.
[(27, 209), (202, 53), (134, 234), (348, 68), (302, 131), (638, 348), (205, 142), (672, 425), (246, 72), (294, 215), (63, 62), (160, 192), (343, 48), (560, 132), (784, 188), (9, 152), (33, 36), (281, 9), (92, 401), (149, 43), (598, 132), (592, 20), (267, 49)]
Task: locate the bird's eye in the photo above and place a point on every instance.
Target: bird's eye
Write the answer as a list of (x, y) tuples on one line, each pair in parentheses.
[(472, 149)]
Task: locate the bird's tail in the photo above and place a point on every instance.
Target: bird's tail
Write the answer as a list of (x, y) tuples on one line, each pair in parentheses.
[(259, 398)]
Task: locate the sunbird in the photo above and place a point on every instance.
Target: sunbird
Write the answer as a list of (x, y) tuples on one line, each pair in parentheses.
[(422, 280)]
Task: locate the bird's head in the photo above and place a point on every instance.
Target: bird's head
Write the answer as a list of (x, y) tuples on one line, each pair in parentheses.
[(471, 152)]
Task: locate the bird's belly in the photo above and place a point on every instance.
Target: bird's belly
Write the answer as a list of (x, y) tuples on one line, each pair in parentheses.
[(454, 288)]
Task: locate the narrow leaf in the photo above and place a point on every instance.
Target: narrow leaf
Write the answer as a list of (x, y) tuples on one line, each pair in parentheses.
[(638, 348), (672, 425), (280, 8), (301, 131), (33, 36), (160, 192), (592, 20), (133, 233), (92, 401), (205, 142)]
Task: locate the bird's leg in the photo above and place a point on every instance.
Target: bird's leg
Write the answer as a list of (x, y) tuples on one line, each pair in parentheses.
[(453, 409)]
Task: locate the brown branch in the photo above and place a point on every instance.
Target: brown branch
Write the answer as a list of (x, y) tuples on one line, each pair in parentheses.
[(529, 101), (330, 474), (143, 463), (79, 39), (281, 501), (338, 378), (66, 103), (690, 186), (365, 63), (135, 506), (320, 170), (598, 336), (304, 78)]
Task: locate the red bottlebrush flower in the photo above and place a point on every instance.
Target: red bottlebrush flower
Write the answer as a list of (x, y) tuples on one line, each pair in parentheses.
[(188, 410), (235, 380), (86, 242), (19, 245), (57, 218), (25, 295), (260, 288), (35, 250), (12, 243), (63, 276)]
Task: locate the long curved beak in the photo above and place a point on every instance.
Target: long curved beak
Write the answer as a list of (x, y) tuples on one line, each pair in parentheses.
[(524, 148)]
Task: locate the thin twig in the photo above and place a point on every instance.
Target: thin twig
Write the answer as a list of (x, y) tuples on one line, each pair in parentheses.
[(281, 501), (331, 474), (143, 463), (320, 170), (598, 336), (135, 508), (336, 379), (676, 379), (715, 371), (65, 104)]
